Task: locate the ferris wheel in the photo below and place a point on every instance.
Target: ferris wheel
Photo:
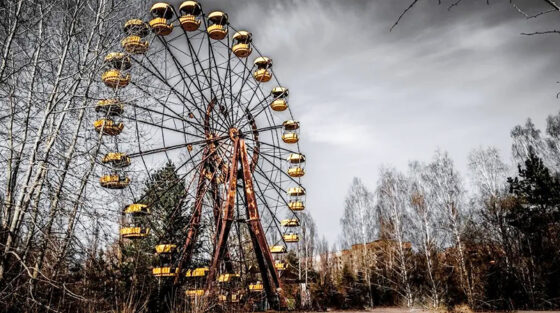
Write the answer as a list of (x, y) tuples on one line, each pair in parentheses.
[(190, 89)]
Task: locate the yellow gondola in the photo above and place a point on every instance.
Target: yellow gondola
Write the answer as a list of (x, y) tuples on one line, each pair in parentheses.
[(296, 171), (165, 271), (279, 105), (291, 238), (262, 74), (279, 92), (296, 205), (113, 78), (291, 125), (134, 232), (117, 60), (190, 11), (296, 191), (108, 127), (116, 159), (290, 138), (242, 44), (165, 248), (294, 222), (256, 287), (290, 135), (197, 272), (137, 208), (162, 9), (160, 27), (278, 249), (194, 293), (280, 266), (135, 45), (296, 158), (114, 181), (110, 107), (226, 278), (218, 25), (136, 27), (280, 102), (161, 12)]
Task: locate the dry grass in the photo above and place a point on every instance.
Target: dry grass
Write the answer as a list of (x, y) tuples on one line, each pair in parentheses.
[(462, 309)]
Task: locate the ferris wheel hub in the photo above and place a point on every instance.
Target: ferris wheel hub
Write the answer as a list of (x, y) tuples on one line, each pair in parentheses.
[(234, 133)]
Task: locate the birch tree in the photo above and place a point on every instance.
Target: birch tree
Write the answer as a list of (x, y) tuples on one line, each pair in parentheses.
[(306, 248), (424, 222), (526, 138), (52, 52), (488, 175), (359, 220), (393, 203), (446, 189), (359, 226)]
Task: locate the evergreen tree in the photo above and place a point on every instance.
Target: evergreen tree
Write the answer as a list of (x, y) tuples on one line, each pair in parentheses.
[(170, 212), (538, 197), (350, 289), (536, 215), (325, 294), (166, 195)]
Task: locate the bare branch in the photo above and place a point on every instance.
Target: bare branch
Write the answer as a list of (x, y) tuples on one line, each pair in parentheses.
[(542, 32), (553, 4), (404, 13)]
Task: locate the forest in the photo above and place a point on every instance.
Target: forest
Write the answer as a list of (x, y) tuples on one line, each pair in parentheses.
[(488, 239)]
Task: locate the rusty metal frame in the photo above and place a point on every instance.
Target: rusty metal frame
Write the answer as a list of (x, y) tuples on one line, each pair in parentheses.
[(217, 205), (269, 275), (223, 211), (226, 218)]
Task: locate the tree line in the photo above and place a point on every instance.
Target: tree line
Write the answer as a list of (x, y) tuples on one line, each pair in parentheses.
[(489, 240)]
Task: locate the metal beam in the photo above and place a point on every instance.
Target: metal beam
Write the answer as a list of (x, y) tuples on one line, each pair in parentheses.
[(217, 220), (273, 287), (227, 218)]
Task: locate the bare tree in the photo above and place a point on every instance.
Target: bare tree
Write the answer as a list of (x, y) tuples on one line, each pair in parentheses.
[(488, 172), (359, 226), (425, 225), (393, 203), (446, 191), (49, 79), (526, 138), (306, 248), (359, 218)]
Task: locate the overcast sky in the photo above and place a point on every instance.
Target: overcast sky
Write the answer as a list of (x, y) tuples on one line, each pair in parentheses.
[(367, 97)]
